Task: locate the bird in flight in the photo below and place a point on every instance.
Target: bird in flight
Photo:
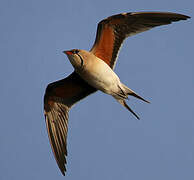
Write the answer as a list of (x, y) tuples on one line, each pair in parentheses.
[(93, 70)]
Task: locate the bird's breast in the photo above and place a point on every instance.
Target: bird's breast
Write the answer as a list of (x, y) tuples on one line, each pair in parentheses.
[(99, 75)]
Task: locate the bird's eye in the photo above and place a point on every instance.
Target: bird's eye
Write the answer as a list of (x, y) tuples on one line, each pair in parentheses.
[(76, 51)]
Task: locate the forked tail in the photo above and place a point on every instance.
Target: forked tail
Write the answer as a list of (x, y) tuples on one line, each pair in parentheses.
[(123, 93)]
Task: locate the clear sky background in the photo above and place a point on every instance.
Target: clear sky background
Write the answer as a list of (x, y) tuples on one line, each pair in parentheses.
[(105, 141)]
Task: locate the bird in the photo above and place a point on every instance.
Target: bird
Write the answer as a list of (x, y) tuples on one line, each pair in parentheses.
[(93, 71)]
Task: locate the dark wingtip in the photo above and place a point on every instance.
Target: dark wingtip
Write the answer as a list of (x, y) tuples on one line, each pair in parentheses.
[(63, 170), (181, 17), (186, 17)]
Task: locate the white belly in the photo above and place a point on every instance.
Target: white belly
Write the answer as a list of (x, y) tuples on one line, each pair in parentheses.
[(99, 75)]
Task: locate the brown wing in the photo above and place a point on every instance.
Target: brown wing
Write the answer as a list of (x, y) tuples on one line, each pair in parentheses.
[(58, 99), (112, 31)]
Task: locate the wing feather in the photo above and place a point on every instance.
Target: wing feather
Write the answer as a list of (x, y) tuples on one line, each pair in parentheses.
[(112, 31), (59, 98)]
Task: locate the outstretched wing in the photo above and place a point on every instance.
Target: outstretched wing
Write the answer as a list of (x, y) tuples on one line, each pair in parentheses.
[(112, 31), (58, 99)]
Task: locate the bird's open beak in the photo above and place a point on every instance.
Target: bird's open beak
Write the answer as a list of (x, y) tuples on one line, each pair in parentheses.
[(67, 52)]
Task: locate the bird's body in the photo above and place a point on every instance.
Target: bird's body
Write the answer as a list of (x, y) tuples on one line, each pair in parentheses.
[(100, 76), (94, 71), (97, 73)]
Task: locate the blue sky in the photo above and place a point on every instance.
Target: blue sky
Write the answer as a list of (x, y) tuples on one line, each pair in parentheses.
[(105, 141)]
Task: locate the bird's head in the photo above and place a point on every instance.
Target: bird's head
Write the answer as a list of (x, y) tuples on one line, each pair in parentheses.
[(75, 57)]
